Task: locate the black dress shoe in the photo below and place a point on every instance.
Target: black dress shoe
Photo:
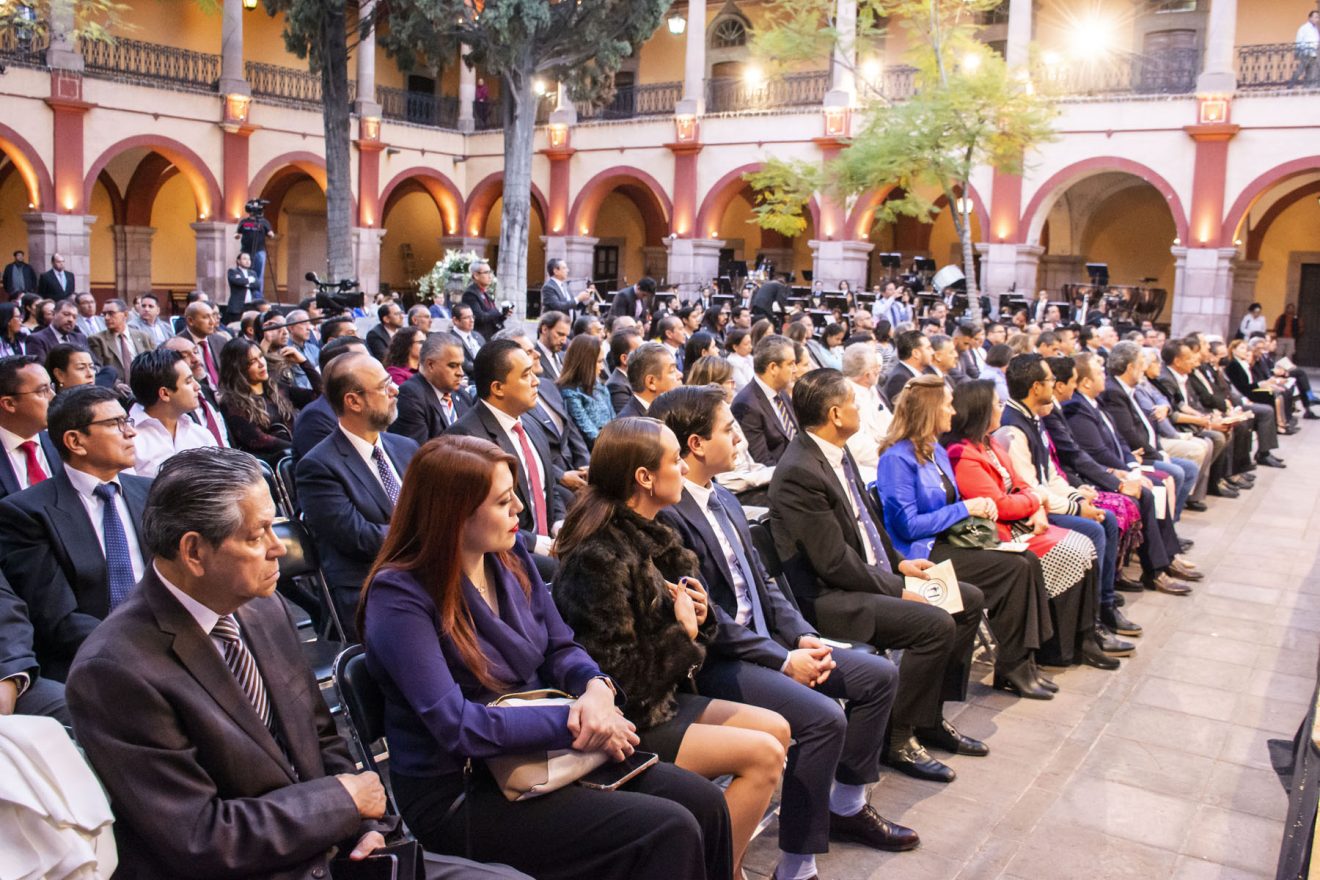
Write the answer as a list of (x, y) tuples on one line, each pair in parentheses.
[(1164, 584), (946, 738), (1112, 644), (1185, 544), (1249, 474), (1178, 570), (1020, 681), (1195, 506), (1270, 461), (1119, 601), (912, 758), (1239, 482), (871, 829), (1041, 678), (1093, 656), (1114, 619), (1310, 415), (1224, 490), (1289, 430), (1127, 585)]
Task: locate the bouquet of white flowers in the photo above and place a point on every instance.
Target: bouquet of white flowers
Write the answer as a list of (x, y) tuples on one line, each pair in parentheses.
[(452, 273)]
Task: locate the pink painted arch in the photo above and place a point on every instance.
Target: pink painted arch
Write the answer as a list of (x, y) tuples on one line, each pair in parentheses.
[(1259, 187), (1038, 209), (205, 189), (644, 191), (723, 192), (27, 162)]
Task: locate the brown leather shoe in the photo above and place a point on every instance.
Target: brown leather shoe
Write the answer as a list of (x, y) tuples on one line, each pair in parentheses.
[(871, 829), (1164, 584), (1178, 570)]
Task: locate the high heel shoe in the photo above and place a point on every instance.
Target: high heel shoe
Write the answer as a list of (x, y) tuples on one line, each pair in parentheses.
[(1020, 681), (1041, 678)]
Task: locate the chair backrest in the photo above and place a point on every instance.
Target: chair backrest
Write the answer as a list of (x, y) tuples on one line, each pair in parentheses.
[(364, 708), (284, 474), (299, 559), (764, 543), (301, 580), (276, 492)]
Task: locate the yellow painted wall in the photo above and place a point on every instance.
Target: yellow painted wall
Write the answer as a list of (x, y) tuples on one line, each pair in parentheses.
[(103, 240), (1062, 25), (174, 246), (660, 59), (303, 197), (1270, 21), (1132, 231), (735, 225), (1293, 230), (945, 248), (619, 218), (412, 220), (180, 23), (13, 231)]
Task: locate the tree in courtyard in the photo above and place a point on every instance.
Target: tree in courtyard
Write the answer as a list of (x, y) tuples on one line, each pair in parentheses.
[(967, 108), (31, 20), (579, 44)]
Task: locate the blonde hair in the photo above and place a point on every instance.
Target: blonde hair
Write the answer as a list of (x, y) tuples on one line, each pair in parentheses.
[(917, 416)]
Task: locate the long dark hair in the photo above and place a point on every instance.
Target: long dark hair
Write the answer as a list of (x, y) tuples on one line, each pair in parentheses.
[(580, 361), (236, 392), (623, 446), (446, 481), (400, 347), (7, 312), (696, 346), (974, 409)]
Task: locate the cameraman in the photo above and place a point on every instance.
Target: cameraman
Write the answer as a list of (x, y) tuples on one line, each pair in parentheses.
[(254, 231), (479, 295)]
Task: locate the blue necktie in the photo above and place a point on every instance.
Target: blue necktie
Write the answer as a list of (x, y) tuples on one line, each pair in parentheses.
[(864, 516), (744, 568), (118, 561)]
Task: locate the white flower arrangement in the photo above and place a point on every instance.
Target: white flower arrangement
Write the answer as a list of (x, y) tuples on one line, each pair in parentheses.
[(453, 272)]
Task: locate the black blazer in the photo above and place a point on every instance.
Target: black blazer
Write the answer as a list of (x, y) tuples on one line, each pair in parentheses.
[(1078, 465), (40, 343), (620, 391), (421, 417), (486, 313), (1246, 384), (51, 556), (784, 622), (17, 651), (895, 380), (9, 480), (554, 298), (632, 408), (314, 423), (479, 421), (218, 789), (816, 532), (345, 506), (765, 297), (1168, 384), (20, 278), (48, 286), (240, 282), (470, 354), (1093, 435), (766, 440), (378, 342), (625, 304), (216, 341), (1122, 411)]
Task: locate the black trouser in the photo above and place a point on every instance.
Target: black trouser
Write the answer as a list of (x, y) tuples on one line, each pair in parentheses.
[(1159, 542), (829, 743), (1240, 437), (665, 824), (1015, 598), (937, 651), (1266, 427), (44, 697)]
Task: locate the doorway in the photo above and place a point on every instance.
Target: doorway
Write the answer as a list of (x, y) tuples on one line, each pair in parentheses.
[(1308, 309)]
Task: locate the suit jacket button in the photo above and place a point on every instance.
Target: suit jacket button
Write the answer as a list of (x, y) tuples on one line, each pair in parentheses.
[(318, 872)]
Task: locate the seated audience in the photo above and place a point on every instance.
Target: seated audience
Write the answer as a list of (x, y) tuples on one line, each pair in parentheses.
[(349, 483), (944, 360), (1214, 354), (747, 478), (764, 653), (914, 353), (23, 689), (30, 454), (1185, 444), (13, 338), (70, 365), (628, 588), (316, 421), (454, 615), (167, 396), (69, 544), (763, 408), (433, 399), (551, 338), (419, 316), (63, 328), (652, 371), (404, 355), (700, 344), (257, 412), (738, 342), (390, 318), (861, 366), (288, 366), (623, 342), (202, 327), (850, 582), (118, 344), (585, 396), (1230, 458), (462, 327), (207, 413)]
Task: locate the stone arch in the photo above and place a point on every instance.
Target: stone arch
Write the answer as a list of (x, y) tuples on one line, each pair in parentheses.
[(641, 188), (723, 192), (448, 200), (1038, 209), (1237, 214), (205, 188), (28, 164), (484, 196)]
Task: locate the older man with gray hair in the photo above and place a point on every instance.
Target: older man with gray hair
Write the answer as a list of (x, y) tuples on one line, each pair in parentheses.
[(480, 296), (861, 366)]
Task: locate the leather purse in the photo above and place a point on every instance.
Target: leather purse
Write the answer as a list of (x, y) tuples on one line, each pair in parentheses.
[(973, 533), (525, 776)]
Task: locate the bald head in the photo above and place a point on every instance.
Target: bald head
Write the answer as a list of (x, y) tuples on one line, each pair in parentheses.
[(186, 347), (361, 393), (200, 319)]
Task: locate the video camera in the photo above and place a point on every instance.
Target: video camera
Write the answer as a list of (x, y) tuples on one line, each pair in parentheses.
[(335, 297), (256, 207)]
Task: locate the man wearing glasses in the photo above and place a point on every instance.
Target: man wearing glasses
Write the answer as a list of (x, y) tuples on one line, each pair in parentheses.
[(480, 297), (69, 544), (25, 393)]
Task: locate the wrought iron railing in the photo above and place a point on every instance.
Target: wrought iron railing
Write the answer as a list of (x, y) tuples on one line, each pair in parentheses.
[(24, 47), (288, 85), (487, 115), (651, 99), (896, 83), (1277, 66), (732, 94), (436, 111), (151, 64), (1171, 73)]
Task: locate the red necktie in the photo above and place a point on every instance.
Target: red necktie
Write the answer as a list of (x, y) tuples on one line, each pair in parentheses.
[(212, 426), (35, 474), (205, 346), (533, 481)]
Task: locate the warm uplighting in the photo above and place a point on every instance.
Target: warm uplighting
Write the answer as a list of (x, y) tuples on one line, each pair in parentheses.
[(964, 206), (370, 128), (250, 5), (1212, 110), (677, 24), (557, 135), (836, 121), (685, 128), (1177, 242), (1237, 242), (236, 108)]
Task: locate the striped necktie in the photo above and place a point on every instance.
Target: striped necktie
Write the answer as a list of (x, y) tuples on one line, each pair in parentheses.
[(790, 430), (244, 667)]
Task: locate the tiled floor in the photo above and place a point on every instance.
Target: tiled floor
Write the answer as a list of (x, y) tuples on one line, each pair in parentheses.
[(1159, 770)]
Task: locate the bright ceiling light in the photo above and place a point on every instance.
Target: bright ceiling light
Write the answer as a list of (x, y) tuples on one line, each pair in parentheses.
[(1051, 59), (753, 76), (677, 24)]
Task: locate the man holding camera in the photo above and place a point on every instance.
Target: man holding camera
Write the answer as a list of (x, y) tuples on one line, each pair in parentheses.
[(253, 232), (480, 297)]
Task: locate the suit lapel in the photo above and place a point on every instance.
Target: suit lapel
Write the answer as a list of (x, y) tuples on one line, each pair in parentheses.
[(688, 509), (842, 506), (74, 529), (358, 468), (8, 479), (496, 434), (770, 415), (281, 672)]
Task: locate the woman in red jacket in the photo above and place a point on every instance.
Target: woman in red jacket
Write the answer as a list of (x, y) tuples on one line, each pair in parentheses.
[(982, 468)]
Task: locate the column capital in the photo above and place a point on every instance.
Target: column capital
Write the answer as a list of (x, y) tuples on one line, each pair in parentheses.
[(685, 148), (1212, 132), (558, 154)]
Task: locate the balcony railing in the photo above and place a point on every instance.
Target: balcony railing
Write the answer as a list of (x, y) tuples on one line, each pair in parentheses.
[(23, 47), (1171, 73), (652, 99), (288, 85), (151, 64), (436, 111), (488, 115), (1276, 66), (896, 83), (733, 94)]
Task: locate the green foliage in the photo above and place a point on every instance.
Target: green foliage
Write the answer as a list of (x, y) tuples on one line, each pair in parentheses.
[(783, 189), (93, 20)]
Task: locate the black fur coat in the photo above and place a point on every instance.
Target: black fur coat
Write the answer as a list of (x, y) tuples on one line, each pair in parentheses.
[(611, 591)]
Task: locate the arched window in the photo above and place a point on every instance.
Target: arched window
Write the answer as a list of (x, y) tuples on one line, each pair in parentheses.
[(729, 33)]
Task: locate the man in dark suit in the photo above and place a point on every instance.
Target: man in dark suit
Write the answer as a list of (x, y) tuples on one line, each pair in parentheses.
[(317, 420), (199, 325), (118, 341), (767, 297), (432, 400), (69, 545), (23, 690), (944, 360), (766, 654), (622, 344), (762, 407), (651, 372), (464, 324), (207, 413), (390, 317), (63, 328), (30, 456), (551, 337), (1219, 395), (635, 301), (850, 582), (1174, 382), (19, 277), (350, 481), (55, 283), (486, 312), (244, 288), (568, 447), (968, 339), (506, 388), (555, 296), (914, 354), (1216, 361)]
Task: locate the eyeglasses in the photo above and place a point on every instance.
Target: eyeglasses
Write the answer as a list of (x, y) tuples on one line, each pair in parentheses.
[(120, 424), (47, 390)]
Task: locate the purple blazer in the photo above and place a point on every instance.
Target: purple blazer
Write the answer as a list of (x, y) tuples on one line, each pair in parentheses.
[(436, 715)]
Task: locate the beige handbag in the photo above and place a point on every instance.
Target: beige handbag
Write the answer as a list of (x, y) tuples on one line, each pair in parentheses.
[(532, 774)]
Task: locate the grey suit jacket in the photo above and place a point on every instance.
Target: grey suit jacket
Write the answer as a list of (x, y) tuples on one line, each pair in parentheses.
[(105, 349)]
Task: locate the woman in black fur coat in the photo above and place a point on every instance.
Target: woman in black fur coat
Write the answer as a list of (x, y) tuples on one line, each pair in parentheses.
[(628, 588)]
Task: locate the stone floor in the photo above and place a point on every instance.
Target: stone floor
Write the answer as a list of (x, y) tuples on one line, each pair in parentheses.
[(1159, 770)]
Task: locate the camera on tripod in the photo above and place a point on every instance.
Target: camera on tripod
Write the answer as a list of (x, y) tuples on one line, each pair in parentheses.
[(335, 297)]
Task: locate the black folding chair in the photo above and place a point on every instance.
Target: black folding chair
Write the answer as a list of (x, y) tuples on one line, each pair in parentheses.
[(276, 492), (364, 710), (284, 476), (298, 567)]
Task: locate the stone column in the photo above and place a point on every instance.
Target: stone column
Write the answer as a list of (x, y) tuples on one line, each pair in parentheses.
[(1202, 290), (693, 260), (233, 80), (579, 251), (366, 104), (63, 53), (565, 112), (1006, 267), (694, 62), (213, 258), (366, 258), (467, 93), (835, 261), (844, 63), (1217, 77), (67, 234), (1245, 273), (1019, 32), (132, 260)]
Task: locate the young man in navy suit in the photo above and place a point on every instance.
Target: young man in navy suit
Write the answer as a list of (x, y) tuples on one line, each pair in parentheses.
[(762, 407)]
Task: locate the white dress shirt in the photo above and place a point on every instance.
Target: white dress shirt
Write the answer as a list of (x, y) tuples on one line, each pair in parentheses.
[(875, 419), (1308, 38), (154, 444), (205, 617), (834, 456), (17, 459), (743, 371), (366, 451), (701, 495), (543, 543), (85, 484)]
